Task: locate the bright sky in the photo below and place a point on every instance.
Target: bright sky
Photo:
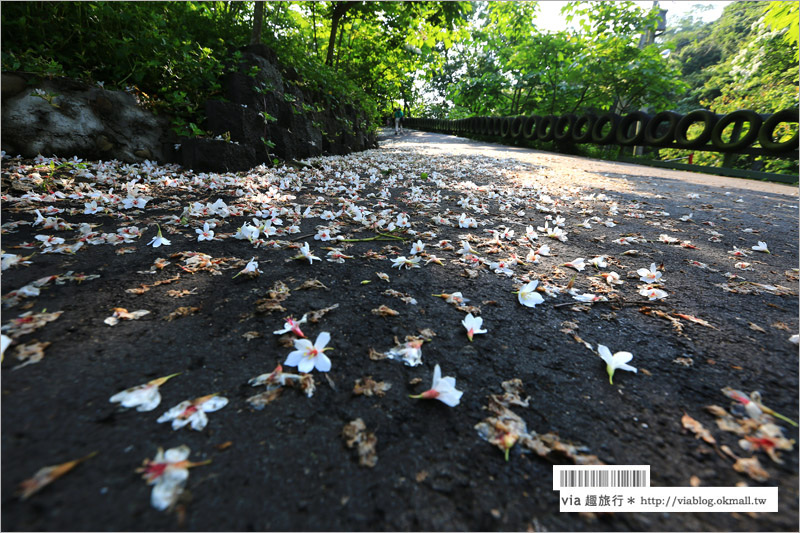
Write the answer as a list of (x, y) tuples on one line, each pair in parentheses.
[(550, 18)]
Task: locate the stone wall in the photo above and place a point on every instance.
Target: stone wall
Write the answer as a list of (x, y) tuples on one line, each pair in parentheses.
[(75, 119)]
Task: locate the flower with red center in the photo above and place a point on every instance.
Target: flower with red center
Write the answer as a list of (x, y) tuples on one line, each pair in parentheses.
[(473, 325), (442, 389), (454, 298), (649, 276), (250, 269), (612, 278), (528, 296), (753, 409), (410, 353), (306, 356), (292, 325), (305, 253), (144, 397), (653, 294), (205, 234), (168, 472), (193, 412), (578, 264), (336, 256)]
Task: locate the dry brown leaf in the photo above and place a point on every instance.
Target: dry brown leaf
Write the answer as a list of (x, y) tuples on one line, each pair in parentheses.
[(756, 327), (725, 421), (159, 264), (224, 446), (697, 428), (569, 327), (676, 323), (427, 334), (30, 353), (752, 467), (728, 423), (421, 476), (126, 250), (384, 311), (355, 434), (139, 290), (694, 481), (375, 355), (414, 381), (314, 316), (369, 387), (469, 273), (580, 340), (513, 393), (727, 450), (474, 309), (279, 291), (173, 293), (250, 335), (328, 378), (507, 428), (167, 281), (310, 285), (405, 298), (694, 320), (268, 305), (28, 323), (259, 401), (48, 474), (716, 410), (120, 313), (197, 261), (553, 449), (181, 312), (684, 361), (781, 325)]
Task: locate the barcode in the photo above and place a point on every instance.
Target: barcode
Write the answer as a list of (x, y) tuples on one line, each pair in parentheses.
[(600, 476), (603, 478)]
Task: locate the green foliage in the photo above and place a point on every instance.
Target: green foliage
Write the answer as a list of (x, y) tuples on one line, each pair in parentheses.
[(47, 97), (784, 17), (510, 67), (440, 59), (170, 53), (747, 59)]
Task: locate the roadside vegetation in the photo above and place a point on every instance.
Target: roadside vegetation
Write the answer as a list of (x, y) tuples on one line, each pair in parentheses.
[(434, 59)]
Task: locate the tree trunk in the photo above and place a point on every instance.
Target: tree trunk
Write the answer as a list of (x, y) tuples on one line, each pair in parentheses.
[(339, 9), (314, 27), (258, 22), (527, 96), (339, 46)]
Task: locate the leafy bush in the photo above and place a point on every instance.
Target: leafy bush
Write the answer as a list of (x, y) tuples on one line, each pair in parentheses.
[(170, 54)]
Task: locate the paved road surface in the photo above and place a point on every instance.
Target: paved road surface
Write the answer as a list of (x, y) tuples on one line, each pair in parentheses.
[(440, 144)]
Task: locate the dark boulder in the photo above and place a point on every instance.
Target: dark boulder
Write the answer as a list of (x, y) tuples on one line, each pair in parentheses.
[(210, 155)]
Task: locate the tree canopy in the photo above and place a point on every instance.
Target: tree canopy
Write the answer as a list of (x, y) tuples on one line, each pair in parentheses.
[(440, 59)]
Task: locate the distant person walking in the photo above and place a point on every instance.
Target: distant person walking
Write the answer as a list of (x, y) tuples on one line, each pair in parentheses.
[(398, 121)]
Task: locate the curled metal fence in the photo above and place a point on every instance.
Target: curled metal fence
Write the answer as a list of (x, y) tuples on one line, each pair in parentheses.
[(666, 129)]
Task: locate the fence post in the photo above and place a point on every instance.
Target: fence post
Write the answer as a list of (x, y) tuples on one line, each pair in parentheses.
[(727, 159)]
